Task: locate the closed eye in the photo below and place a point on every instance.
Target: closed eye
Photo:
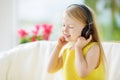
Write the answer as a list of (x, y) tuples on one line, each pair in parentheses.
[(68, 26), (71, 27)]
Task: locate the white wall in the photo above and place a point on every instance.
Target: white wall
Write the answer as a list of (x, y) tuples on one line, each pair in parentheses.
[(6, 25)]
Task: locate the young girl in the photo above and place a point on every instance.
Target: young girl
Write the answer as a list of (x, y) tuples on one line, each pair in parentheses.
[(78, 51)]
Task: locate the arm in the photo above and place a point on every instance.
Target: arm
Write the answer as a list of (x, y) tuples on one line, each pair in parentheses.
[(84, 65), (55, 61)]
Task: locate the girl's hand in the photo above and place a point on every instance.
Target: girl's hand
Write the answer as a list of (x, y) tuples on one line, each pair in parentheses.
[(61, 41), (82, 42)]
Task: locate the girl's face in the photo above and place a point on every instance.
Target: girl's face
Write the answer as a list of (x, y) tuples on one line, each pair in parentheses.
[(71, 28)]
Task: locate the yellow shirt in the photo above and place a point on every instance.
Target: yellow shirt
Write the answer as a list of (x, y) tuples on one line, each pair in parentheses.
[(69, 70)]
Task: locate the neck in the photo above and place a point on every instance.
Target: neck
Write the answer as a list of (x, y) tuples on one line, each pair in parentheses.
[(72, 44)]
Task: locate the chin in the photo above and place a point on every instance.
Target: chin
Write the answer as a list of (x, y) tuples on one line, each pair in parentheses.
[(67, 39), (73, 40)]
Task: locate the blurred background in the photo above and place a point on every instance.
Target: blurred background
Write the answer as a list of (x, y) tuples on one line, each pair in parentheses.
[(27, 14)]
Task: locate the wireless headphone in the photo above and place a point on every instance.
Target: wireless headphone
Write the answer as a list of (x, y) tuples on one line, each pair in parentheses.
[(87, 30)]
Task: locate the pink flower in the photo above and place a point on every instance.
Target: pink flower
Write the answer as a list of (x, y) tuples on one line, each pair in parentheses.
[(37, 27), (47, 31), (45, 36), (47, 28), (36, 30), (22, 33)]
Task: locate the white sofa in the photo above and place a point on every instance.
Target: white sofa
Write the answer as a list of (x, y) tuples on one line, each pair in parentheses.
[(28, 61)]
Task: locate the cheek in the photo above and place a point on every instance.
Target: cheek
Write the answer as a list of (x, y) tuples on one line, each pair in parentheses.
[(77, 32)]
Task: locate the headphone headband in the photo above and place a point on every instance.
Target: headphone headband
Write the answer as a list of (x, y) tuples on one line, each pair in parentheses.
[(86, 11)]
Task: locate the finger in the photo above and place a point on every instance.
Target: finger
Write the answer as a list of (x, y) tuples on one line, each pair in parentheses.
[(60, 38), (63, 38), (89, 39), (82, 38)]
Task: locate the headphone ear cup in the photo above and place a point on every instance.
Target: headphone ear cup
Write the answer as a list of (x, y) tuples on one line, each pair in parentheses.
[(86, 32)]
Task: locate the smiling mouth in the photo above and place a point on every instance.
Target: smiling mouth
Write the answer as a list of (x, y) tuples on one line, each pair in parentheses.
[(66, 36)]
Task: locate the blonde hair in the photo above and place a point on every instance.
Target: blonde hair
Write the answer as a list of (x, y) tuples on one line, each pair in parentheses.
[(74, 11)]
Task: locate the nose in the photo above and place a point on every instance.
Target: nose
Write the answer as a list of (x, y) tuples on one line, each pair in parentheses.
[(65, 29)]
